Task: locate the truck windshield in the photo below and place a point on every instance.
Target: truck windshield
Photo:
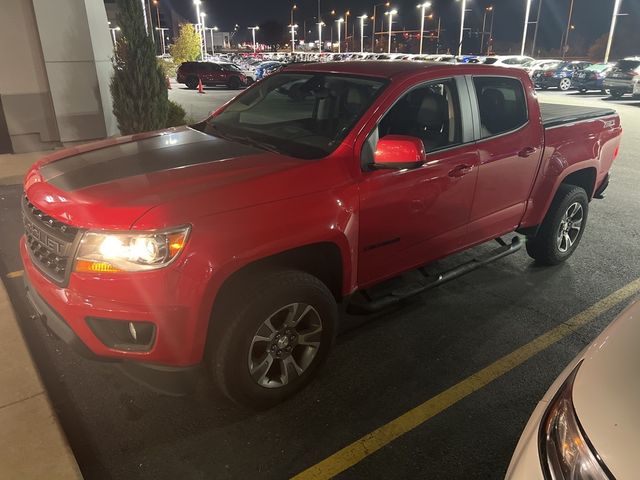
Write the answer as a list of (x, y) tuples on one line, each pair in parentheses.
[(305, 115)]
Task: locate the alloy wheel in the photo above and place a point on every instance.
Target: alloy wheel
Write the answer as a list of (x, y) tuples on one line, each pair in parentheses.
[(570, 227)]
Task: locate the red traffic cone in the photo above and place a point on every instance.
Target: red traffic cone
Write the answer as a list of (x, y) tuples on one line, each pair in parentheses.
[(200, 88)]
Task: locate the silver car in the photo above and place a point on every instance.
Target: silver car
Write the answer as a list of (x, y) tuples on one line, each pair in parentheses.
[(624, 77)]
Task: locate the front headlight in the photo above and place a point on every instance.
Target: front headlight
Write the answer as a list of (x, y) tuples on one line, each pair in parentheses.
[(565, 451), (106, 252)]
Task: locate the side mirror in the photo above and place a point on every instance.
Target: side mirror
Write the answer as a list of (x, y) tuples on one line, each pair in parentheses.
[(399, 152)]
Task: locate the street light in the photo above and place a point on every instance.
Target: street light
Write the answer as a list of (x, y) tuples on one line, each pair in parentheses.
[(113, 33), (211, 30), (391, 13), (293, 37), (204, 32), (564, 45), (253, 34), (362, 19), (346, 30), (320, 25), (338, 22), (464, 9), (422, 7), (373, 23), (484, 22), (197, 3), (161, 33), (526, 25), (614, 18)]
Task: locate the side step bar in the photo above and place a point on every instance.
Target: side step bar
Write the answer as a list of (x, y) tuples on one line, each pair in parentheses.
[(399, 295)]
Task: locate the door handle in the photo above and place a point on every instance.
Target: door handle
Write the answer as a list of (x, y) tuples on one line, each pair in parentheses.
[(460, 170), (526, 152)]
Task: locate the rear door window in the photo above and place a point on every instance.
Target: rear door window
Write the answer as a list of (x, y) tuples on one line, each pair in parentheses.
[(502, 105)]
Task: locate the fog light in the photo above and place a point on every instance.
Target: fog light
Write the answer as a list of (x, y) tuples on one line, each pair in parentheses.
[(123, 334)]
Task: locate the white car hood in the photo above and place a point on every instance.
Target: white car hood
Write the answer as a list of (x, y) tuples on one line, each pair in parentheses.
[(606, 394)]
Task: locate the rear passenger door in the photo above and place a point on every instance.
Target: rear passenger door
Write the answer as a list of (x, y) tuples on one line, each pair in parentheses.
[(509, 149)]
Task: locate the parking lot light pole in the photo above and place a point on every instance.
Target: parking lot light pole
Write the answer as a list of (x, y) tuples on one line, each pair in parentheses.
[(253, 34), (463, 10), (614, 19), (204, 32), (390, 13), (570, 27), (526, 26), (373, 24), (362, 19), (213, 47), (422, 7), (339, 25), (293, 37), (161, 31), (320, 25), (197, 3), (113, 34), (484, 23), (490, 42)]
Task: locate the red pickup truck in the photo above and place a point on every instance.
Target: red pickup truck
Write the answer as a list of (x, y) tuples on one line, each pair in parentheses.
[(230, 244)]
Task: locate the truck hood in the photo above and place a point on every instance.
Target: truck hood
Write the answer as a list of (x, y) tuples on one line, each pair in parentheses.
[(606, 393), (112, 183)]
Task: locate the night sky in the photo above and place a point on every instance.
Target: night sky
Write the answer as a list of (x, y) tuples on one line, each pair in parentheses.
[(591, 17)]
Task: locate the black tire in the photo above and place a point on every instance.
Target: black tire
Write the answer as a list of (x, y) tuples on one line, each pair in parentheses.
[(192, 82), (234, 83), (270, 298), (583, 90), (605, 91), (544, 88), (616, 93), (546, 248)]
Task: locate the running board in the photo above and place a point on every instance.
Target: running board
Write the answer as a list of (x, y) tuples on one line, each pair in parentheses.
[(411, 290)]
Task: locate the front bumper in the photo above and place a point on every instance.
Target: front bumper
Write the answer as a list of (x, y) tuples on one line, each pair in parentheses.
[(165, 298)]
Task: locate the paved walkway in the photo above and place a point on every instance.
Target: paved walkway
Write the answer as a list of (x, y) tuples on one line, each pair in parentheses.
[(32, 443)]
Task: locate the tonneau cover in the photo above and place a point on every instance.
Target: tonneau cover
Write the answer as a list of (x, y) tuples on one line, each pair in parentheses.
[(554, 114)]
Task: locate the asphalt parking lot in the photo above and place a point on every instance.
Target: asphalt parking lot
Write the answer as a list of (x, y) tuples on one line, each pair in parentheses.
[(381, 367)]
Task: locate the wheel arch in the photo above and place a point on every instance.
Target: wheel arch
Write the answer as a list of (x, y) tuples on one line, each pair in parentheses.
[(584, 178)]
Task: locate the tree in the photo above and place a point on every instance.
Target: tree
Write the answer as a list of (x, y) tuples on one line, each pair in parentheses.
[(187, 45), (138, 88), (625, 42)]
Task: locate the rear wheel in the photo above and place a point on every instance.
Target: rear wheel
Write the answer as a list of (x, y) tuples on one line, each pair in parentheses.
[(192, 82), (234, 83), (281, 328), (565, 84), (616, 93), (562, 227)]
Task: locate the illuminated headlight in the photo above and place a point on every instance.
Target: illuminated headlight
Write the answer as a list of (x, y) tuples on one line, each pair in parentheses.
[(109, 252), (565, 450)]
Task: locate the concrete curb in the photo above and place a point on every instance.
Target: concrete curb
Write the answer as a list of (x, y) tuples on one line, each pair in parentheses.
[(32, 443)]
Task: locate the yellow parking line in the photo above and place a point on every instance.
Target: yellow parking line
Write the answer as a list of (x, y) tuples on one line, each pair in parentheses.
[(374, 441), (15, 274)]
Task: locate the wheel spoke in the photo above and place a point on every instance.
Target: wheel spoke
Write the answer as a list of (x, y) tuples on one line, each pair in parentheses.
[(290, 367), (568, 240), (297, 313), (259, 371), (306, 338)]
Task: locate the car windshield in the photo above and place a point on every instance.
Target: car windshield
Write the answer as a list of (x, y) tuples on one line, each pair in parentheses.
[(627, 65), (305, 115)]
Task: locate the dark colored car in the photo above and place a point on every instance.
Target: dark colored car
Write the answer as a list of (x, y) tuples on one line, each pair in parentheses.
[(591, 78), (211, 74), (624, 77), (559, 75), (267, 68)]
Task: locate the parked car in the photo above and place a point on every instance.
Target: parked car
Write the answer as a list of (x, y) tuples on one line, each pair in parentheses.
[(211, 74), (559, 76), (624, 77), (266, 68), (587, 424), (591, 78), (230, 243), (536, 65), (508, 60)]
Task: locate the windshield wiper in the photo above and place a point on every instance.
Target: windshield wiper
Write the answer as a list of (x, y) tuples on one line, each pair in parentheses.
[(244, 140)]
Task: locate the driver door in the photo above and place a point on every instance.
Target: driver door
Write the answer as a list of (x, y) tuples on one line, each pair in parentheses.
[(413, 216)]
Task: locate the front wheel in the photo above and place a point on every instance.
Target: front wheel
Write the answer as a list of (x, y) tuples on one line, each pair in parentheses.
[(234, 83), (565, 84), (562, 227), (617, 93), (281, 328)]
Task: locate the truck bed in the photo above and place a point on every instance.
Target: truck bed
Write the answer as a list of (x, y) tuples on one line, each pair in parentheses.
[(554, 114)]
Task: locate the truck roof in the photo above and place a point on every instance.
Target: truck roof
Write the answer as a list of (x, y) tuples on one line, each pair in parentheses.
[(388, 69)]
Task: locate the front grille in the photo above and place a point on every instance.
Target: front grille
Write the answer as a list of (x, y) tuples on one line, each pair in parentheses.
[(50, 242)]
